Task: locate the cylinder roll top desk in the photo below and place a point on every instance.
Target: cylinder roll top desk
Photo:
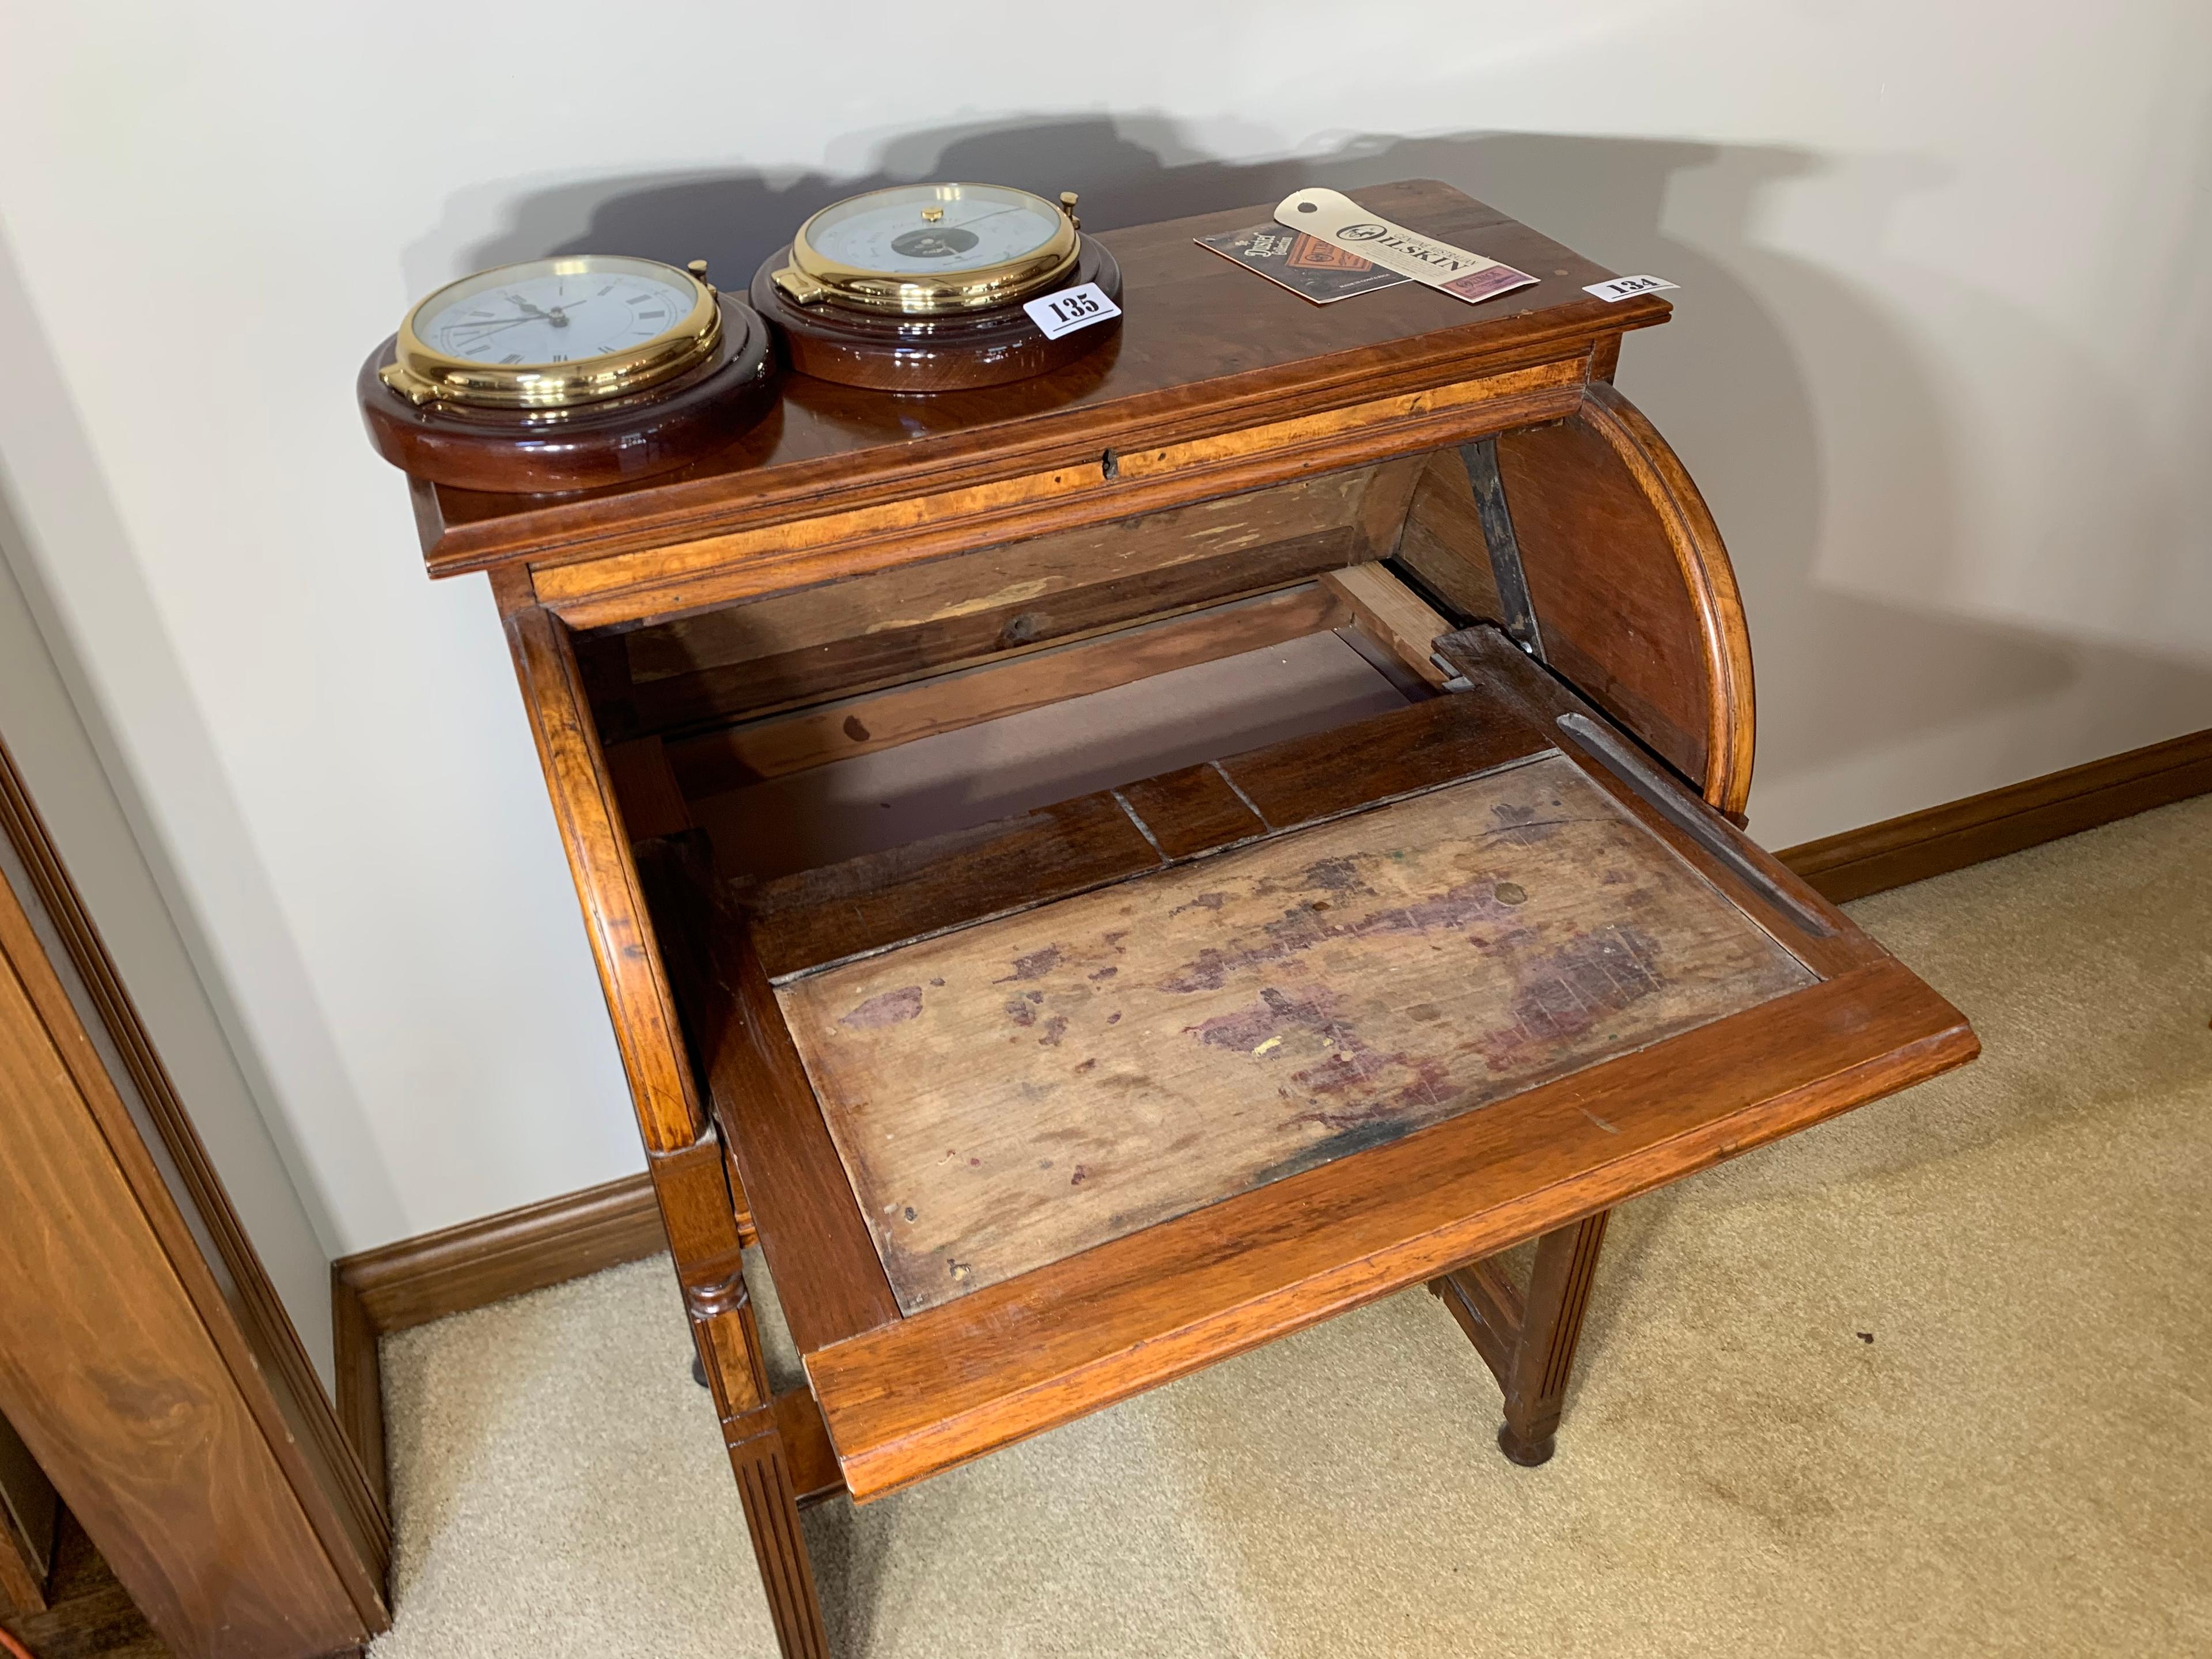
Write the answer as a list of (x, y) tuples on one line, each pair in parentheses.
[(1044, 1105)]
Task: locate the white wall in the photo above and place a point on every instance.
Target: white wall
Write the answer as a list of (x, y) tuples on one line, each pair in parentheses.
[(1945, 304), (102, 841)]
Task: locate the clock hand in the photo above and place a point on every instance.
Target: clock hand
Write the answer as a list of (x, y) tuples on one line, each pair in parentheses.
[(556, 316), (484, 330)]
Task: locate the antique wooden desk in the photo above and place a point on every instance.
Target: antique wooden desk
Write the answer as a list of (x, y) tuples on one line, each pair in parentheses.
[(1038, 1113)]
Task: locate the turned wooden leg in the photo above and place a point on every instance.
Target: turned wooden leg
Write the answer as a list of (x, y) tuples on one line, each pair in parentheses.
[(728, 1339), (1528, 1340)]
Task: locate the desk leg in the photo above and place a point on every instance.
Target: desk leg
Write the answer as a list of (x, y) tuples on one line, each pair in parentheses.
[(758, 1460), (1529, 1341), (728, 1339)]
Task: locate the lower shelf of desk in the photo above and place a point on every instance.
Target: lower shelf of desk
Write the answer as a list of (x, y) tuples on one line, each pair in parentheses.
[(1048, 1112)]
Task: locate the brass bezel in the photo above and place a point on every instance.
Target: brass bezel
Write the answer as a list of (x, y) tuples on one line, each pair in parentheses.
[(424, 375), (813, 275)]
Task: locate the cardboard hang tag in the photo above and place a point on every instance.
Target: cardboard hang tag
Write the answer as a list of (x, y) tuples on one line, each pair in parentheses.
[(1331, 216)]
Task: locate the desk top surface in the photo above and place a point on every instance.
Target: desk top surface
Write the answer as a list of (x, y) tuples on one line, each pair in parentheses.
[(1008, 1095), (1205, 345)]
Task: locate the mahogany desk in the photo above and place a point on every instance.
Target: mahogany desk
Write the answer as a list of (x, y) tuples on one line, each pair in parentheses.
[(1035, 1115)]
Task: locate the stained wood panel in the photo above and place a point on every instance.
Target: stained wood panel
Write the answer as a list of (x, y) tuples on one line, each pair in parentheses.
[(1012, 1094), (117, 1364), (818, 917)]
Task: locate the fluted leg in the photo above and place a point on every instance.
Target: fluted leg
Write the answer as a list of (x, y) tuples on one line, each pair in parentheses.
[(1527, 1339), (1552, 1323), (730, 1350), (763, 1473)]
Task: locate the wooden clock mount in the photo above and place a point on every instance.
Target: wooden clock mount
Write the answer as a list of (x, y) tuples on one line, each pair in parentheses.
[(1030, 1116), (887, 352), (616, 440)]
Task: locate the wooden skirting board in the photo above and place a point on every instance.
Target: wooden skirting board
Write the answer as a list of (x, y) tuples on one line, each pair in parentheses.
[(480, 1262), (473, 1266), (1902, 850)]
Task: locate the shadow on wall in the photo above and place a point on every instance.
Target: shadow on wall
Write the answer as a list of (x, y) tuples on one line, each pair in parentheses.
[(1733, 382)]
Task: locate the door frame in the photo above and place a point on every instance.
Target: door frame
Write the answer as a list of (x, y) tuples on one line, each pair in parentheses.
[(157, 1381)]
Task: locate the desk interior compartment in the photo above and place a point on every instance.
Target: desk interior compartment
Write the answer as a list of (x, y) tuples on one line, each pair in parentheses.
[(1046, 1105)]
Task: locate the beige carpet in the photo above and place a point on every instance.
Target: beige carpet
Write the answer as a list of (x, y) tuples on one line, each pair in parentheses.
[(1931, 1379)]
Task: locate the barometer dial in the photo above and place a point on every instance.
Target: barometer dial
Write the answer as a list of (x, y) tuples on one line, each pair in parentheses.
[(931, 249), (911, 232)]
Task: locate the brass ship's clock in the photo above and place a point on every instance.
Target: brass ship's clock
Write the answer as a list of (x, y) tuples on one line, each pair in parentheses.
[(936, 287), (565, 373)]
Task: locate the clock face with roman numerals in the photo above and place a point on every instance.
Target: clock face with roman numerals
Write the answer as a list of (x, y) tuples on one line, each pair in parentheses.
[(549, 312)]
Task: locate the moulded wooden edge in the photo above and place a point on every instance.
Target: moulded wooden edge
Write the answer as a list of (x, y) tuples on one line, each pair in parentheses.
[(631, 973), (283, 1544), (917, 1397)]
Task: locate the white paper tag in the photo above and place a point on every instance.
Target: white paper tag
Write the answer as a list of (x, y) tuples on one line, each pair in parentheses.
[(1070, 309), (1331, 216), (1622, 287)]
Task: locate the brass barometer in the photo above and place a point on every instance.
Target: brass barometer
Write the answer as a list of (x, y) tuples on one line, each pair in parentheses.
[(938, 286), (565, 373)]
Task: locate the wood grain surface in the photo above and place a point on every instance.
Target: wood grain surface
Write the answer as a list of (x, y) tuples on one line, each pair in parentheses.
[(90, 1615), (767, 553), (846, 726), (125, 1372), (353, 1485), (1010, 1095)]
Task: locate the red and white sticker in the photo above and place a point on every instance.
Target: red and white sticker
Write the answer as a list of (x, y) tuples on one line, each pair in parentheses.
[(1614, 288), (1070, 309)]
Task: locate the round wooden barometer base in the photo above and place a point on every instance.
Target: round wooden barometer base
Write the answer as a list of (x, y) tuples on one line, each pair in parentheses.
[(886, 352), (543, 451)]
